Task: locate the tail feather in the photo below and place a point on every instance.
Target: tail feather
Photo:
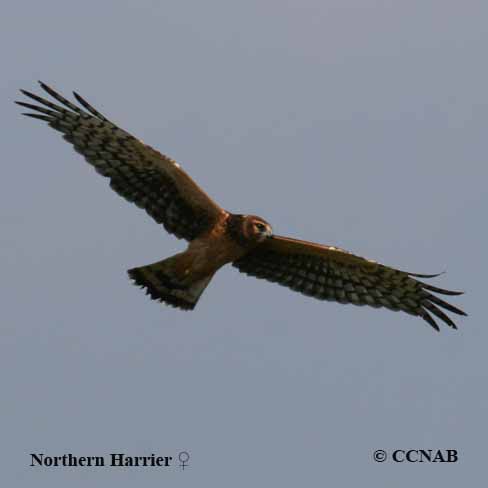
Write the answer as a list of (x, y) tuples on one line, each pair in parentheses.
[(162, 284)]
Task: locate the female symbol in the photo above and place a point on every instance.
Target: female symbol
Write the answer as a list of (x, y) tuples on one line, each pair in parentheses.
[(184, 457)]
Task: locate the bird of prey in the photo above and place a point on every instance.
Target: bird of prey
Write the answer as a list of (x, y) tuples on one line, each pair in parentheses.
[(216, 237)]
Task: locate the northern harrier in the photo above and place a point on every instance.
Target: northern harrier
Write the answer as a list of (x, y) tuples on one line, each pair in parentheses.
[(216, 237)]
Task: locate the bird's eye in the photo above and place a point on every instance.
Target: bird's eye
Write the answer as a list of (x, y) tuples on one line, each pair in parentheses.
[(261, 227)]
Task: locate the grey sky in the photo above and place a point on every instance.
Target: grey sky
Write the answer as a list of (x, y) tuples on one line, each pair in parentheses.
[(360, 124)]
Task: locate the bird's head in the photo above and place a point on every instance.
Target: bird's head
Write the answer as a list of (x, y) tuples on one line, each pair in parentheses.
[(255, 229)]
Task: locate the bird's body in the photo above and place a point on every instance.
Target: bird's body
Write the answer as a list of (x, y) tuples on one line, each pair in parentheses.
[(217, 237), (186, 274)]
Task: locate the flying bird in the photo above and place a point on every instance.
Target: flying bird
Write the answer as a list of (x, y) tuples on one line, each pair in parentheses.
[(216, 237)]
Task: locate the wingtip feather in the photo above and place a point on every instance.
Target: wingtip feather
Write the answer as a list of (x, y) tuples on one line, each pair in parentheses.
[(38, 116), (428, 318), (420, 275)]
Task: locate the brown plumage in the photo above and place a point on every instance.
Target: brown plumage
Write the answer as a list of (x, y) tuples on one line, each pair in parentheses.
[(216, 237)]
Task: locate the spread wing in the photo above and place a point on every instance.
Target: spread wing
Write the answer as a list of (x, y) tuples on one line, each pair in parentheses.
[(330, 273), (136, 171)]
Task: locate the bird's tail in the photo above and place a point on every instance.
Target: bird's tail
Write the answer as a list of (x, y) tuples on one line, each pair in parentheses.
[(163, 281)]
